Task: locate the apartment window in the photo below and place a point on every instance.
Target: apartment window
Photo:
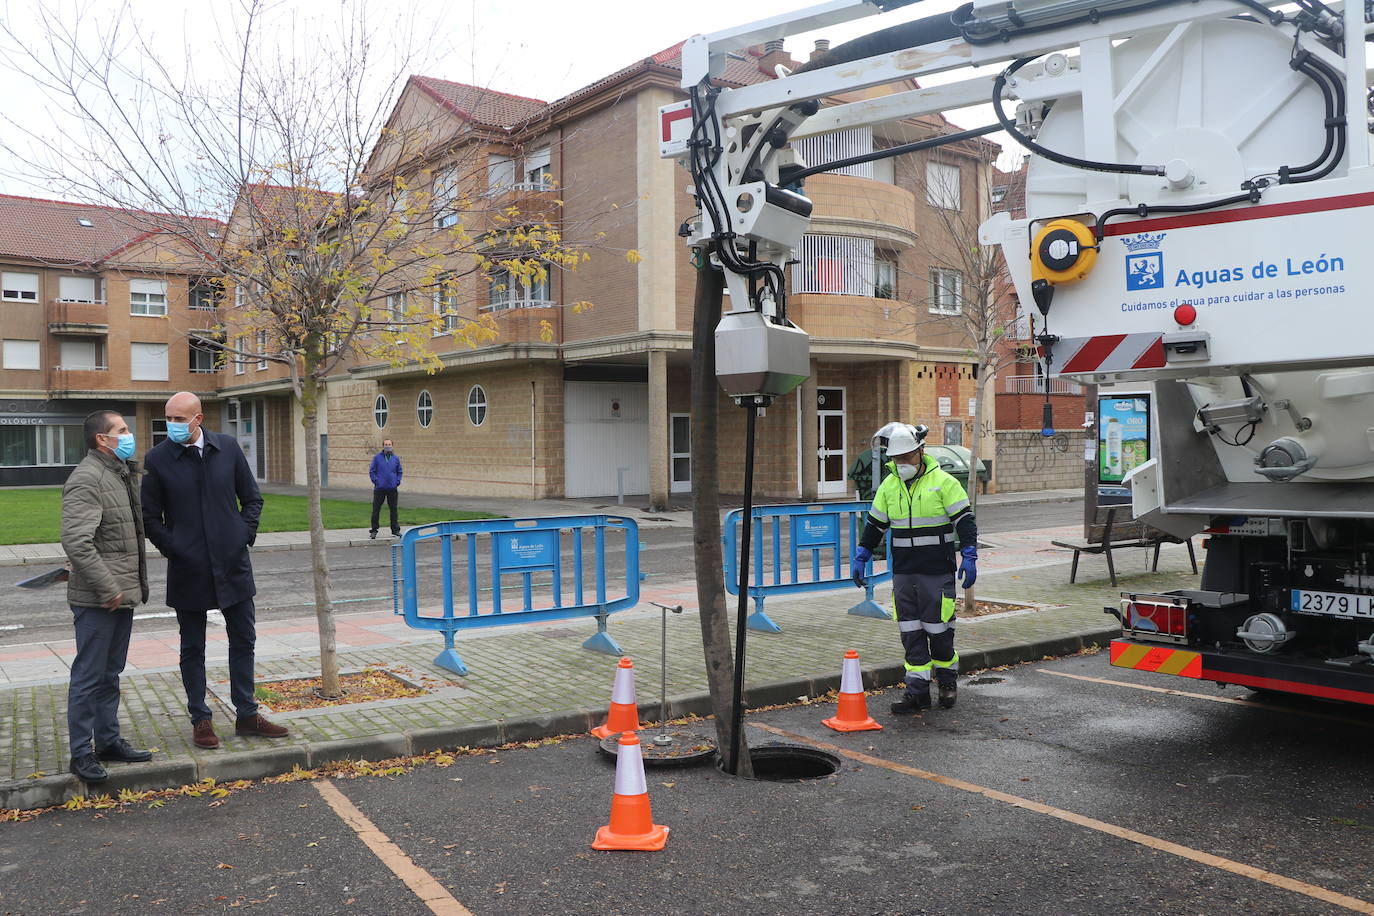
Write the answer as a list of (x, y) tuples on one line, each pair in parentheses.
[(148, 362), (41, 445), (380, 411), (81, 354), (396, 313), (946, 290), (239, 359), (424, 409), (446, 303), (834, 265), (477, 405), (262, 348), (21, 354), (836, 145), (500, 173), (18, 287), (943, 184), (148, 297), (538, 174), (884, 278), (507, 290), (205, 295), (444, 198), (202, 357), (159, 431), (79, 289)]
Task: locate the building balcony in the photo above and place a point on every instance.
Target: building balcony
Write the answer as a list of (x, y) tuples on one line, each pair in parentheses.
[(830, 315), (78, 378), (522, 322), (71, 317), (862, 207), (519, 205)]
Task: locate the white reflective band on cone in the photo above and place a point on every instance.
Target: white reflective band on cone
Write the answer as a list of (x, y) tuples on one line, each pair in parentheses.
[(851, 679), (623, 689), (629, 771)]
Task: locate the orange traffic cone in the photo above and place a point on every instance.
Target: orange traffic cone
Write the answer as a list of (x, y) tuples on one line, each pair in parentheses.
[(632, 824), (852, 715), (624, 714)]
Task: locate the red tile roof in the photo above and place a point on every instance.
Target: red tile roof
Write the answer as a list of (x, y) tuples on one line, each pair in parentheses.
[(47, 230), (481, 106)]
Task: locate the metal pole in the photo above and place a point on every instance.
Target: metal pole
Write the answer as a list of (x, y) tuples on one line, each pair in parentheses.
[(737, 712)]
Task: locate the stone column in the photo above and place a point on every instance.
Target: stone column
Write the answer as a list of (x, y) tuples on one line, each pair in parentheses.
[(810, 437), (658, 430)]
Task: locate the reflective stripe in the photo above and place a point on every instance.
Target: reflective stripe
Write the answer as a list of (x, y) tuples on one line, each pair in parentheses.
[(919, 671), (928, 541), (877, 516), (952, 663), (924, 521), (936, 628), (955, 508), (910, 626)]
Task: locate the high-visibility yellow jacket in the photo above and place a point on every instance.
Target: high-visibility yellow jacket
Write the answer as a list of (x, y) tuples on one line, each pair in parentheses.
[(924, 515)]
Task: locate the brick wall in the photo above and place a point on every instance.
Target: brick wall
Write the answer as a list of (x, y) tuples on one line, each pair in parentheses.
[(1026, 461), (1026, 411)]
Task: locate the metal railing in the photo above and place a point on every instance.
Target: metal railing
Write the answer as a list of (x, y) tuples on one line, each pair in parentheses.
[(1035, 384), (800, 548), (476, 560)]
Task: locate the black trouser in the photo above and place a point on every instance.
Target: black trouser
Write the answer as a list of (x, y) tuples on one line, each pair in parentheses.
[(390, 496), (102, 644), (239, 620)]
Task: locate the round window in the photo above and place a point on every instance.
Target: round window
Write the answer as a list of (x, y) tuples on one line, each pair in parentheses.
[(477, 405), (380, 411), (424, 409)]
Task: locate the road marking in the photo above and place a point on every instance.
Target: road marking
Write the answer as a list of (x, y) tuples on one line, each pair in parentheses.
[(12, 626), (1234, 701), (433, 894), (1353, 904)]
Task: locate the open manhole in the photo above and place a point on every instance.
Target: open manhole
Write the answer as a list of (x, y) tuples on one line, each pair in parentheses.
[(987, 680), (792, 763)]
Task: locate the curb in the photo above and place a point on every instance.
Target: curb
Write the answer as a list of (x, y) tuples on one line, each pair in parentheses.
[(274, 759), (57, 559)]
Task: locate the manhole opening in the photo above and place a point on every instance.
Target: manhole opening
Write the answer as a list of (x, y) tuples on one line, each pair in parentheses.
[(791, 763), (987, 680)]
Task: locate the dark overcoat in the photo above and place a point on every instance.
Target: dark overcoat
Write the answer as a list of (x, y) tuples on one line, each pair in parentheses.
[(202, 514)]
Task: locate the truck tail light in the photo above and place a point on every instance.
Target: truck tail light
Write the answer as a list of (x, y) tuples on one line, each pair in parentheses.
[(1165, 621)]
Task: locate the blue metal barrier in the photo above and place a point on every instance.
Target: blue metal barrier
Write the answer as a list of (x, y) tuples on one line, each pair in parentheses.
[(791, 533), (515, 547)]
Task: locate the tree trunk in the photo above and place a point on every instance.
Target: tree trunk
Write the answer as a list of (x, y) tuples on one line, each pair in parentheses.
[(715, 621), (319, 560)]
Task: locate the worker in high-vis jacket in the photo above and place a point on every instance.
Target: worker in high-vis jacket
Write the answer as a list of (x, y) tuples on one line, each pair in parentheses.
[(924, 507)]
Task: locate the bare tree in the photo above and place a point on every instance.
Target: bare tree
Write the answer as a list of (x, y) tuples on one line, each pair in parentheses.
[(345, 228)]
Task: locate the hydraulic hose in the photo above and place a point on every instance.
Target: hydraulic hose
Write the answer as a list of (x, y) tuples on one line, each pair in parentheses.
[(914, 147)]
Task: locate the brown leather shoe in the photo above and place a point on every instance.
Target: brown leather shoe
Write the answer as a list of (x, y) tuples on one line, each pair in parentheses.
[(258, 725), (203, 735)]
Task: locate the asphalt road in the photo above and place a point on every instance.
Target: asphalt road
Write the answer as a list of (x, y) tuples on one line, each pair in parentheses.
[(360, 577), (1040, 793)]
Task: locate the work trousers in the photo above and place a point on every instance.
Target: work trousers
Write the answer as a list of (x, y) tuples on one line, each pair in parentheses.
[(925, 617), (102, 645), (239, 625), (390, 496)]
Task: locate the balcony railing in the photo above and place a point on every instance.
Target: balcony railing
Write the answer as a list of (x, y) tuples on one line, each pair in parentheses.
[(1034, 384), (510, 304), (74, 316)]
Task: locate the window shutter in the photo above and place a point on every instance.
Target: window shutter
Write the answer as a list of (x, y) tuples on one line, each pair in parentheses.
[(148, 362)]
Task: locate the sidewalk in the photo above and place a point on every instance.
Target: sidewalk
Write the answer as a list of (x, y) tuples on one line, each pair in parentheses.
[(526, 681), (635, 507)]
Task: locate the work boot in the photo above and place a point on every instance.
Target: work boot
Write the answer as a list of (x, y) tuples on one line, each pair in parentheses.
[(372, 534), (948, 694), (124, 752), (260, 726), (203, 735), (88, 769), (910, 705)]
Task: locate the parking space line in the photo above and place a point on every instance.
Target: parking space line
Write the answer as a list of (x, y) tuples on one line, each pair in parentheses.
[(1353, 904), (1203, 696), (433, 894)]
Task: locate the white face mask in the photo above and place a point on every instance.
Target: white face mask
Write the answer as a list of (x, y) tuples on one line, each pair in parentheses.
[(906, 471)]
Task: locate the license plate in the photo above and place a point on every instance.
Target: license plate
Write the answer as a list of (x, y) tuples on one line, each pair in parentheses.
[(1333, 604)]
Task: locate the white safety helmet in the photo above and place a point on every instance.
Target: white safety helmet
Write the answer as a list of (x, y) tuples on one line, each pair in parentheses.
[(903, 438)]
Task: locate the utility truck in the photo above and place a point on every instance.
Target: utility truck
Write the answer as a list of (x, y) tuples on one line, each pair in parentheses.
[(1199, 197)]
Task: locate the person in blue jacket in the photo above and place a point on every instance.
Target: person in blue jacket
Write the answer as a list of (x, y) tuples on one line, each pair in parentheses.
[(385, 472)]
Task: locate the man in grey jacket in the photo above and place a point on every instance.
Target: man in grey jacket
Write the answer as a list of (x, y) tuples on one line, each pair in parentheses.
[(102, 535)]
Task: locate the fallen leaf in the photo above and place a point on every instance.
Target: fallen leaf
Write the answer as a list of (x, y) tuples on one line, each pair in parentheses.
[(918, 807), (312, 844), (223, 865), (667, 785)]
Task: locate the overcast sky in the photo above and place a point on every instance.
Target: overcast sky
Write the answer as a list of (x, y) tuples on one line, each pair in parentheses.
[(539, 48)]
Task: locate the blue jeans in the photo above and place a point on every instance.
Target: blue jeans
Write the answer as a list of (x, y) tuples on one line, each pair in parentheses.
[(238, 622), (102, 645)]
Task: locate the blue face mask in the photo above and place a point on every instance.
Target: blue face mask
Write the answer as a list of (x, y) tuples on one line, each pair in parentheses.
[(179, 433), (125, 449)]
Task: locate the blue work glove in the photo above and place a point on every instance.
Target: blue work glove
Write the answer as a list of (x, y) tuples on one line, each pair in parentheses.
[(968, 569), (859, 565)]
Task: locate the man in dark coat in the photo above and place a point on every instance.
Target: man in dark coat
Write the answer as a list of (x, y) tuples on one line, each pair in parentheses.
[(200, 509)]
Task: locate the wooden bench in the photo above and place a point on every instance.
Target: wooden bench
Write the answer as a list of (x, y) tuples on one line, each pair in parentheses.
[(1106, 535)]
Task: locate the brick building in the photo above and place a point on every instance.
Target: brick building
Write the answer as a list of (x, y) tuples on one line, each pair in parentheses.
[(96, 311)]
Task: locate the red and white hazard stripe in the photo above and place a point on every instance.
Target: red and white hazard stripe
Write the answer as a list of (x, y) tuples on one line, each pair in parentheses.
[(1109, 353)]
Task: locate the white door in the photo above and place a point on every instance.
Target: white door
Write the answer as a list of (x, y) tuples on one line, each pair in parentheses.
[(830, 441), (680, 452), (606, 438)]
